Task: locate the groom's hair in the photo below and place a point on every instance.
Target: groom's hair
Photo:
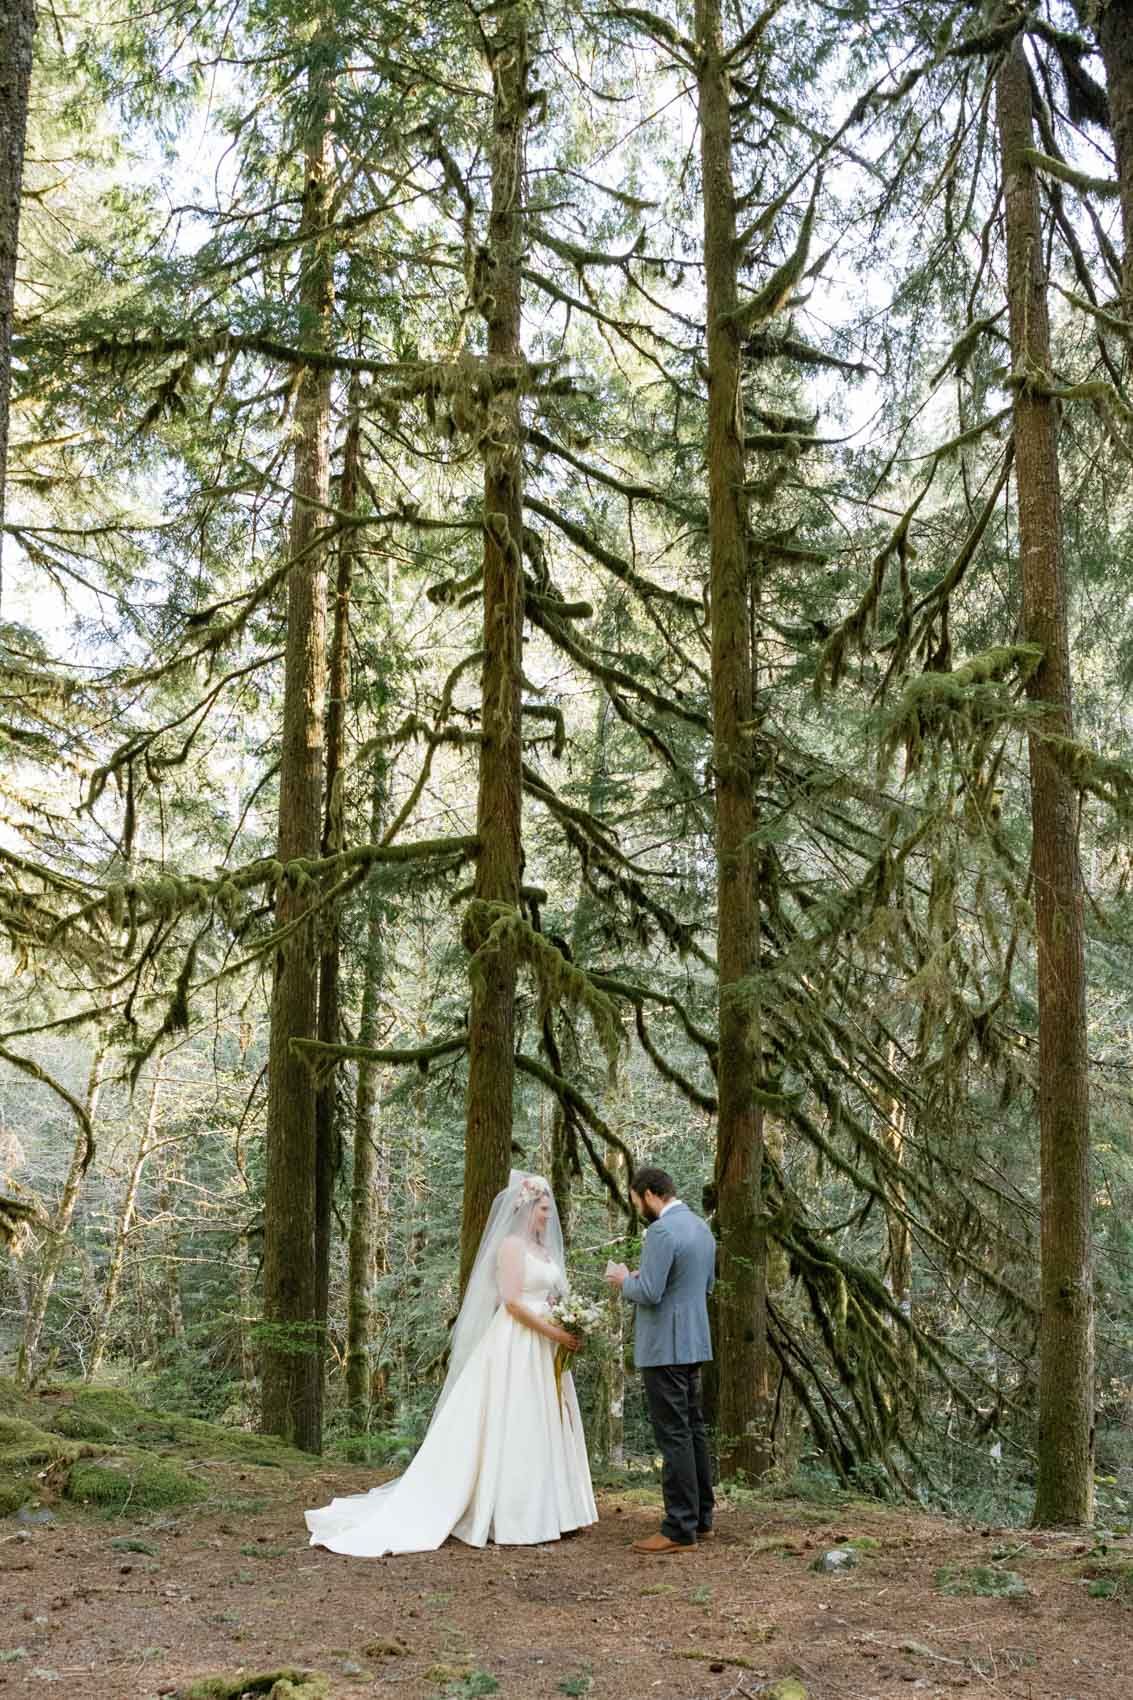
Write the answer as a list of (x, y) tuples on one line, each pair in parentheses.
[(655, 1181)]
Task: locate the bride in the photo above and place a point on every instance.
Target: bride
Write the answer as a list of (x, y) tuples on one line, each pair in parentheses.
[(504, 1458)]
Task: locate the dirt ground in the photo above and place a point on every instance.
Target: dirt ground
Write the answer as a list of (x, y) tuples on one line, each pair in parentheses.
[(232, 1584)]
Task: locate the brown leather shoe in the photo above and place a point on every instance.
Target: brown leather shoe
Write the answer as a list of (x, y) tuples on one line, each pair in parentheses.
[(653, 1544), (706, 1534)]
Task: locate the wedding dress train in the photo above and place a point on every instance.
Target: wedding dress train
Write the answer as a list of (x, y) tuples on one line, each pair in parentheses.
[(501, 1461)]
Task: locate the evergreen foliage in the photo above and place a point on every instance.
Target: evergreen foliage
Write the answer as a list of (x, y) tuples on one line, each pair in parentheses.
[(540, 494)]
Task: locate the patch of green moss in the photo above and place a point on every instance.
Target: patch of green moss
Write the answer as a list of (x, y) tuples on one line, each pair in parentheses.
[(23, 1445), (984, 1580), (276, 1685), (78, 1424), (1114, 1569), (112, 1414), (14, 1402), (136, 1479), (14, 1492), (166, 1429)]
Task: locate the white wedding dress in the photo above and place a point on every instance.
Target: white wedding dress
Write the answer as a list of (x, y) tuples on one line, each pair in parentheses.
[(500, 1460)]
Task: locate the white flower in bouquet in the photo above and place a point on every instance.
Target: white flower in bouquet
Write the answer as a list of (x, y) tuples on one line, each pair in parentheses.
[(578, 1316)]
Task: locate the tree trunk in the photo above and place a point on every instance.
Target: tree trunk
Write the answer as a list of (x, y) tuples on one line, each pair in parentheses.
[(899, 1276), (562, 1158), (612, 1377), (743, 1404), (172, 1173), (17, 39), (245, 1271), (122, 1235), (1065, 1447), (491, 1016), (1114, 26), (56, 1247), (333, 841), (292, 1337), (370, 1170)]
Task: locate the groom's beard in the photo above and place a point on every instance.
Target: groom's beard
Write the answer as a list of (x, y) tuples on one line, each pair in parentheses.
[(651, 1212)]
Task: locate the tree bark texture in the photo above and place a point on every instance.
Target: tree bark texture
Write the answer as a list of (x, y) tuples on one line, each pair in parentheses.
[(1065, 1450), (370, 1174), (56, 1248), (491, 1017), (172, 1176), (292, 1337), (17, 39), (743, 1401), (333, 841), (563, 1158)]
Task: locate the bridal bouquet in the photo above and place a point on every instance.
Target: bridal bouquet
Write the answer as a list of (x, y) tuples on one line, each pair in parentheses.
[(577, 1316)]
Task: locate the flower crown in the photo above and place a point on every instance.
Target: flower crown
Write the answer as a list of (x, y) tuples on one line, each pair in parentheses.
[(531, 1189)]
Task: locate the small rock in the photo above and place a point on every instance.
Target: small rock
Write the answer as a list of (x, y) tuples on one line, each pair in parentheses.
[(832, 1563), (351, 1667), (38, 1517)]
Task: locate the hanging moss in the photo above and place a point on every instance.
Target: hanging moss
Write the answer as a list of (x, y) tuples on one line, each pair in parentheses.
[(487, 926), (1110, 781), (958, 704)]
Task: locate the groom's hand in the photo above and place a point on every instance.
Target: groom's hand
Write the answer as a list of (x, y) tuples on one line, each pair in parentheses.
[(616, 1273)]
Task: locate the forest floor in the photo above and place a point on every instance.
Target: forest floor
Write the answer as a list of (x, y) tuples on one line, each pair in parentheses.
[(136, 1604)]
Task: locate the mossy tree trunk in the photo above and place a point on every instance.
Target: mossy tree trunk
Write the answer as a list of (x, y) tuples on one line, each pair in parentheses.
[(56, 1247), (563, 1160), (1065, 1445), (892, 1124), (742, 1382), (327, 1141), (292, 1336), (491, 1018), (17, 42), (172, 1175), (370, 1174), (126, 1215)]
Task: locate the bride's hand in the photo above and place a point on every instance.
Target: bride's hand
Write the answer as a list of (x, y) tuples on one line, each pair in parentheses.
[(571, 1342)]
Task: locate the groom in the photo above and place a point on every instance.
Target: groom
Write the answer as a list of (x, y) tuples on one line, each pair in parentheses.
[(671, 1341)]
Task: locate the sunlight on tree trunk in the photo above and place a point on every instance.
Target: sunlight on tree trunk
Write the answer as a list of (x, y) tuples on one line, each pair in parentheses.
[(292, 1339), (742, 1382), (370, 1164), (1066, 1331)]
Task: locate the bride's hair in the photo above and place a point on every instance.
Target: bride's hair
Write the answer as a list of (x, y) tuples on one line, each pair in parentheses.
[(511, 1217)]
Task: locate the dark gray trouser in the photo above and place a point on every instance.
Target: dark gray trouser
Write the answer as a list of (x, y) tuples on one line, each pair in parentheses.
[(672, 1392)]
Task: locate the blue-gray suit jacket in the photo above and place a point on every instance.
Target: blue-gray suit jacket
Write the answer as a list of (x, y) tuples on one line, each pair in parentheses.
[(670, 1291)]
